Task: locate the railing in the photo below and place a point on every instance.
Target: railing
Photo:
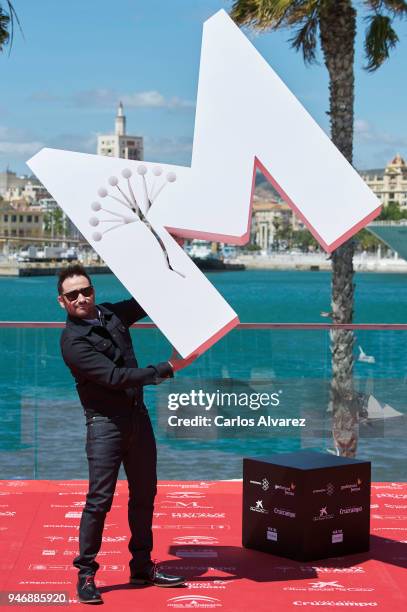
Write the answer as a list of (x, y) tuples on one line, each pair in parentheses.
[(42, 433)]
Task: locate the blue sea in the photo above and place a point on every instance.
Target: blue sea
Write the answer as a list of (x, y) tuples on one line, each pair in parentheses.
[(42, 431)]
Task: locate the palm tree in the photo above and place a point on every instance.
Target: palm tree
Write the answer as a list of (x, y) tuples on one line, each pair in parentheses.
[(8, 18), (334, 21)]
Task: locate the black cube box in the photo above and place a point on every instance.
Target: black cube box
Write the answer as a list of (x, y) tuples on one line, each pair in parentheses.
[(306, 505)]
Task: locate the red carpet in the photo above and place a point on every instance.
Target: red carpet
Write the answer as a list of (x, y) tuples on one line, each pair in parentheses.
[(197, 533)]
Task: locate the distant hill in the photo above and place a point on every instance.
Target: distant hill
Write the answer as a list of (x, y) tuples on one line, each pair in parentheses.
[(264, 189)]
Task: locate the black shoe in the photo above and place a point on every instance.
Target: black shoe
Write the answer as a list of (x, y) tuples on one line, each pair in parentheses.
[(87, 591), (153, 576)]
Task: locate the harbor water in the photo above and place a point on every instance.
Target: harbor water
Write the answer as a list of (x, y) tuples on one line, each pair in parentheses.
[(42, 432)]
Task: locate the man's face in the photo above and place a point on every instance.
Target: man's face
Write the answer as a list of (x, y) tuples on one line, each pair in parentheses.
[(82, 307)]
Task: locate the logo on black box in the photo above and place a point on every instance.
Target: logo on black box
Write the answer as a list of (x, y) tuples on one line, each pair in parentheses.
[(287, 490), (353, 487), (271, 534), (323, 514), (264, 483), (259, 507), (283, 512), (351, 510), (337, 536), (329, 489)]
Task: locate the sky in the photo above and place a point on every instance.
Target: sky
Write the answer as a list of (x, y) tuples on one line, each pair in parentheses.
[(60, 85)]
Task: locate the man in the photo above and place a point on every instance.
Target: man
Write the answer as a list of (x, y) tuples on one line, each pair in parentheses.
[(97, 347)]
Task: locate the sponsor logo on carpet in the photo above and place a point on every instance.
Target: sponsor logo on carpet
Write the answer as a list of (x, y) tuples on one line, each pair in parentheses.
[(45, 582), (392, 495), (205, 568), (185, 495), (396, 506), (206, 553), (67, 505), (104, 539), (328, 586), (194, 601), (389, 528), (389, 485), (183, 485), (52, 526), (180, 505), (15, 483), (214, 584), (195, 539), (190, 515), (184, 526), (73, 515), (42, 567), (314, 569), (390, 517), (340, 603), (70, 484)]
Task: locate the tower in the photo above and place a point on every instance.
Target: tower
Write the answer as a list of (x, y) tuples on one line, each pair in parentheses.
[(120, 144), (120, 123)]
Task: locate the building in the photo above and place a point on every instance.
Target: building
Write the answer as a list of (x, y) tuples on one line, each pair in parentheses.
[(30, 191), (389, 184), (268, 216), (121, 144), (10, 181), (21, 221)]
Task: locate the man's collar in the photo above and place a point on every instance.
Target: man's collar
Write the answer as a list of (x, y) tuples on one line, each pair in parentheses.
[(83, 327)]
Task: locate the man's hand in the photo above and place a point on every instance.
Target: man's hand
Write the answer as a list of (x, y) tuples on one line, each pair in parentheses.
[(178, 363)]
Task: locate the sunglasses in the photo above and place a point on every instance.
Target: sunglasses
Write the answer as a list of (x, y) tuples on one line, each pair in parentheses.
[(71, 296)]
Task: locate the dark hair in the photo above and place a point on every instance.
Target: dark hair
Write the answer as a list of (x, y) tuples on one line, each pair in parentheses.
[(74, 270)]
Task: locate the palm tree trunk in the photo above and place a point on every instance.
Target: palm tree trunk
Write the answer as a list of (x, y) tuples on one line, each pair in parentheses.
[(338, 31)]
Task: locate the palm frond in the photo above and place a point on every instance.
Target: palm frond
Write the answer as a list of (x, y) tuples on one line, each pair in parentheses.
[(266, 14), (4, 27), (398, 8), (7, 26), (305, 38), (380, 38)]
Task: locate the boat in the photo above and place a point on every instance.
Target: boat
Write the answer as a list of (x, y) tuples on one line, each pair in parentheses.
[(365, 358), (208, 260), (48, 254)]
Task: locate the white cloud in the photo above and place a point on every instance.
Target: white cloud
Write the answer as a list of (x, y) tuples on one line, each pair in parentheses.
[(169, 150), (74, 142), (19, 148), (154, 99), (16, 142), (108, 98), (374, 148), (367, 133)]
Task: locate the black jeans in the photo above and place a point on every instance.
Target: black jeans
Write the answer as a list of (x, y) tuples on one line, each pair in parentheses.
[(111, 441)]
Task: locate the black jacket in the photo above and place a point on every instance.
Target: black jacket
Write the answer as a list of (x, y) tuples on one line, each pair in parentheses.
[(102, 361)]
